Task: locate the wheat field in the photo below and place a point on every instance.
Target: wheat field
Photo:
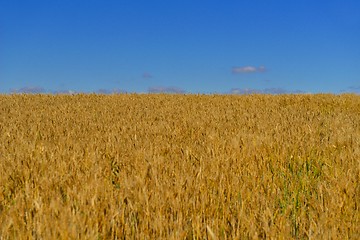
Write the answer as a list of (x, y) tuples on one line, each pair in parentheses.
[(157, 166)]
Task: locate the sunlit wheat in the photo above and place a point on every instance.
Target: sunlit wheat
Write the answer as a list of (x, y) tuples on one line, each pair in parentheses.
[(179, 166)]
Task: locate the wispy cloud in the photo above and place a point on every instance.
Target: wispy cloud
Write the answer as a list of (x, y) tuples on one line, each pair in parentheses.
[(113, 91), (356, 88), (63, 92), (37, 90), (32, 90), (166, 90), (263, 91), (262, 69), (248, 69), (351, 89), (242, 91), (147, 75)]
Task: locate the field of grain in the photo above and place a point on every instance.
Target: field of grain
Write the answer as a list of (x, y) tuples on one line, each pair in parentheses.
[(161, 166)]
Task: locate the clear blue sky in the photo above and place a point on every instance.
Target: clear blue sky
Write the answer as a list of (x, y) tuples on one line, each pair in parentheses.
[(194, 46)]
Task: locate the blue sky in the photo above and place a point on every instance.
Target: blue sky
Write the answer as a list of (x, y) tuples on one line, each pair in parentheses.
[(180, 46)]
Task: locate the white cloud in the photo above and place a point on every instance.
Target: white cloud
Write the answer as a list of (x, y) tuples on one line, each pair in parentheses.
[(166, 90), (243, 91), (248, 69), (64, 92), (263, 91), (261, 69)]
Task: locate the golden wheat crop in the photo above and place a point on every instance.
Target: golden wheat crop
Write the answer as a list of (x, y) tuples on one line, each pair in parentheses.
[(154, 166)]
